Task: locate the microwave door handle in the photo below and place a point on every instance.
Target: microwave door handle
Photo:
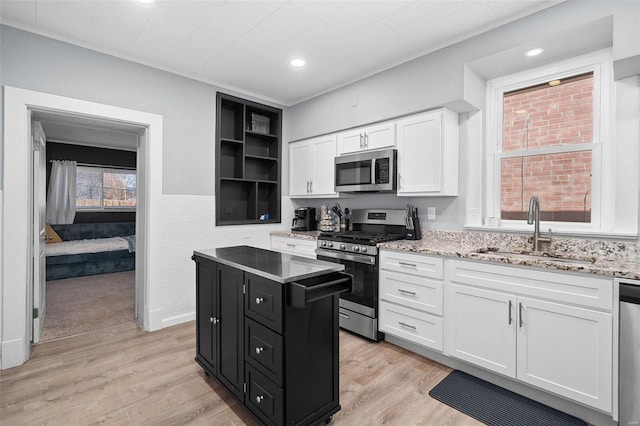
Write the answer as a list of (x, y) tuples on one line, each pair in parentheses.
[(373, 171)]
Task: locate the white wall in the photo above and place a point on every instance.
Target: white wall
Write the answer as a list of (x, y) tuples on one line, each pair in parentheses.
[(38, 63)]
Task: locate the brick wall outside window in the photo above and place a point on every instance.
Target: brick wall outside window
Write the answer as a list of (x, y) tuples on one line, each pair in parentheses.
[(539, 117)]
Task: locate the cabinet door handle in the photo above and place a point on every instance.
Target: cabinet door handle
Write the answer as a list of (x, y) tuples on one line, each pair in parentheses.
[(259, 399), (520, 313), (510, 319), (308, 186), (413, 327), (413, 265), (214, 320), (361, 141), (366, 140), (413, 293), (259, 350), (311, 187), (259, 300)]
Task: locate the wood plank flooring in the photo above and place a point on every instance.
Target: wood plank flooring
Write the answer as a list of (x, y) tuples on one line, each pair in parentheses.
[(123, 375)]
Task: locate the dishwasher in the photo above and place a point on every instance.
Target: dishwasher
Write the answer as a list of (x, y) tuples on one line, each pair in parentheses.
[(629, 337)]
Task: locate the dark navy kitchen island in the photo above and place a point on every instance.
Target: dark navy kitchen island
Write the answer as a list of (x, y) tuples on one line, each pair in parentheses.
[(267, 329)]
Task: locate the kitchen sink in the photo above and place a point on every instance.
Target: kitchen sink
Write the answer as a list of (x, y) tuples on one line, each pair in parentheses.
[(544, 256)]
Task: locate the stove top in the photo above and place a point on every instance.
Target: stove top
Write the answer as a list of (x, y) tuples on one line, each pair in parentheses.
[(359, 237)]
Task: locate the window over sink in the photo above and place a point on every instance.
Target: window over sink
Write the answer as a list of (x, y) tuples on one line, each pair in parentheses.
[(549, 134)]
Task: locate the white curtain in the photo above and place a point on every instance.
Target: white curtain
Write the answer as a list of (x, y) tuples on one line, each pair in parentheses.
[(61, 196)]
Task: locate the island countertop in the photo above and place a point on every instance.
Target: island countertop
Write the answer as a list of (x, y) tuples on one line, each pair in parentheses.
[(275, 266)]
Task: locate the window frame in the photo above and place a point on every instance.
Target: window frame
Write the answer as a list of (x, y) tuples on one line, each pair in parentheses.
[(600, 63), (103, 170)]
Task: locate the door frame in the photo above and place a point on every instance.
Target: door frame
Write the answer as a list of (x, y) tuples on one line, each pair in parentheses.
[(17, 224)]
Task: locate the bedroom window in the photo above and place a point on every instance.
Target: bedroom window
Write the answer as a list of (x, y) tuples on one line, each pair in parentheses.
[(103, 188), (548, 137)]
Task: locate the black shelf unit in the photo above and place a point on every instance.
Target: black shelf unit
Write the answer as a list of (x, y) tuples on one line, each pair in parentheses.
[(248, 155)]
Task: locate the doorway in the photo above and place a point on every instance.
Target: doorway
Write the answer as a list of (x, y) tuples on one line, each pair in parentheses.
[(86, 288), (17, 273)]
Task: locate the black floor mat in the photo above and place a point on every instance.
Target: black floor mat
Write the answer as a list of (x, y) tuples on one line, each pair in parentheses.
[(496, 406)]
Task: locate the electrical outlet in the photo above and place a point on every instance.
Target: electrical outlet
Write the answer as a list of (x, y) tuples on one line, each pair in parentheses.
[(472, 216), (431, 213)]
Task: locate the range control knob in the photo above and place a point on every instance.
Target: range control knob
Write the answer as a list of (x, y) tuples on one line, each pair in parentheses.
[(323, 244), (364, 250), (343, 246), (356, 248), (329, 244)]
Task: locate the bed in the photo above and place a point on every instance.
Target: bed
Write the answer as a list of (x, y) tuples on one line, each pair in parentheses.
[(91, 249)]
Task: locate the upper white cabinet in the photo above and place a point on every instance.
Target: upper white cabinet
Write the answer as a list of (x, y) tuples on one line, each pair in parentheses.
[(311, 167), (428, 154), (375, 136)]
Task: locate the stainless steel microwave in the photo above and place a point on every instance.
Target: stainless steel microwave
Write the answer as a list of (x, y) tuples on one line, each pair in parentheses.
[(366, 171)]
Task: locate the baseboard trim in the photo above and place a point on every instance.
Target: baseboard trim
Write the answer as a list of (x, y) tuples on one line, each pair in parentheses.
[(155, 320), (178, 319), (13, 353)]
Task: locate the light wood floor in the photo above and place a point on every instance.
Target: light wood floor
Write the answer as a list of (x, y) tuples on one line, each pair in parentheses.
[(123, 375)]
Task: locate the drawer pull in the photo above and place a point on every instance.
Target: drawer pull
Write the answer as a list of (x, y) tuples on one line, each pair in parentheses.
[(259, 349), (412, 265), (259, 399), (413, 327), (344, 315), (291, 245), (260, 300), (413, 293), (214, 320)]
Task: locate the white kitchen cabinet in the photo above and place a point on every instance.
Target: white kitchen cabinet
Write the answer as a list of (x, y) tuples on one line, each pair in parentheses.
[(428, 154), (311, 167), (479, 329), (294, 246), (375, 136), (411, 299), (492, 321)]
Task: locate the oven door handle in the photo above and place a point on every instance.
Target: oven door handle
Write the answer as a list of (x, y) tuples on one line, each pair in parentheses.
[(358, 258)]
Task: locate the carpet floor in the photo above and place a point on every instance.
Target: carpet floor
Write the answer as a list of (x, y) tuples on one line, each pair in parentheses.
[(80, 305)]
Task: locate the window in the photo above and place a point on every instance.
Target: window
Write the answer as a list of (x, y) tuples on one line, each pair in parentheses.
[(100, 188), (547, 136)]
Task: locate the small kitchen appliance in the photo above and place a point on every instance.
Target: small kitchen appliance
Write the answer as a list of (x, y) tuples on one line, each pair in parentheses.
[(369, 171), (357, 250), (304, 219)]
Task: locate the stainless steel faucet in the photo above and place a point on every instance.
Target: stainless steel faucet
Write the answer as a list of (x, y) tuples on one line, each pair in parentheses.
[(533, 218)]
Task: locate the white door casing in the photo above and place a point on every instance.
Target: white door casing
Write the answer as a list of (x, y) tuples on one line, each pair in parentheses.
[(39, 213), (17, 224)]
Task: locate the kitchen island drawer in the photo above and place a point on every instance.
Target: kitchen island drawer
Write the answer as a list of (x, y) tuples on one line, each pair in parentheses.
[(412, 291), (411, 263), (418, 327), (264, 350), (264, 398), (263, 301), (294, 246)]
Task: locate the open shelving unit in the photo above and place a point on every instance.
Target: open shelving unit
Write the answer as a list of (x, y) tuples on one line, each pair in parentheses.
[(248, 155)]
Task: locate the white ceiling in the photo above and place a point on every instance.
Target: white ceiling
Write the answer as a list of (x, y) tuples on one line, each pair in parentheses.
[(247, 45)]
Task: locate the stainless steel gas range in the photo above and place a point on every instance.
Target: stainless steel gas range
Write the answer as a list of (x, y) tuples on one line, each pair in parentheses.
[(357, 250)]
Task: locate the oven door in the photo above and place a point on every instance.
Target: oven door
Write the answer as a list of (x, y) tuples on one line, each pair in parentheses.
[(365, 277)]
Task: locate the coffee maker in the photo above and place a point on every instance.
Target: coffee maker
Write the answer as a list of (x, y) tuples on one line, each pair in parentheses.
[(304, 219)]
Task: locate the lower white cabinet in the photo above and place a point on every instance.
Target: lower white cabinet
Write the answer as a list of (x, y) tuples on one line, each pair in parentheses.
[(411, 299), (294, 246), (557, 347)]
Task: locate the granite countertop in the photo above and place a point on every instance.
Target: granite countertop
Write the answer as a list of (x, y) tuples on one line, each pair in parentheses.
[(302, 235), (610, 258), (275, 266)]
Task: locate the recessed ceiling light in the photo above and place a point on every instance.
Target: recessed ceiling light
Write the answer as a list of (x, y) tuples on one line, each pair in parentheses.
[(534, 52), (146, 1), (298, 62)]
